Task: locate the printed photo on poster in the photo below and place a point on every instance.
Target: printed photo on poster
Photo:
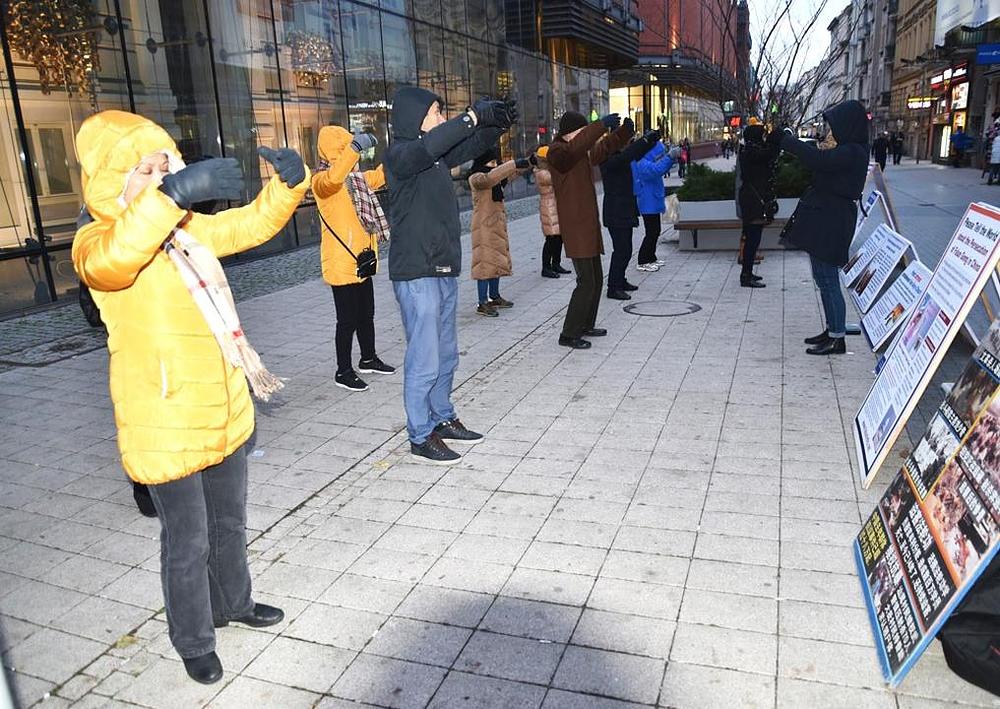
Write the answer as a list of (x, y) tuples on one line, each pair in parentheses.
[(935, 448), (893, 306), (984, 441), (968, 397), (923, 318), (963, 525)]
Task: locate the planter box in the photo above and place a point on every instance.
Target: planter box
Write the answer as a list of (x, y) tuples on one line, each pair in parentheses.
[(713, 226)]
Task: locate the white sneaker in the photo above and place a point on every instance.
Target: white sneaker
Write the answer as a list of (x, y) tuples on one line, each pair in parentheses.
[(660, 262), (649, 267)]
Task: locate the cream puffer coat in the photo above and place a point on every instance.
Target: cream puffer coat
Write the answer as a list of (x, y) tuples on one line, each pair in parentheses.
[(490, 243), (547, 210)]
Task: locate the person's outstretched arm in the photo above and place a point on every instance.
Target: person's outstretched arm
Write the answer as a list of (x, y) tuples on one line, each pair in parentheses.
[(564, 155), (473, 146), (407, 158), (614, 142), (489, 180), (838, 158)]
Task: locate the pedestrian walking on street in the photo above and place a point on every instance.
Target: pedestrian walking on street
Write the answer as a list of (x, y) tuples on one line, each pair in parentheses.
[(180, 362), (756, 203), (897, 148), (490, 242), (880, 149), (349, 247), (426, 255), (994, 154), (576, 148), (650, 193), (823, 223), (960, 142), (685, 157), (549, 215), (621, 213)]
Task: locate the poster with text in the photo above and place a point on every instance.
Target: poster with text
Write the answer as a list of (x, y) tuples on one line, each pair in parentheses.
[(866, 208), (925, 335), (895, 305), (873, 278), (936, 527), (860, 260)]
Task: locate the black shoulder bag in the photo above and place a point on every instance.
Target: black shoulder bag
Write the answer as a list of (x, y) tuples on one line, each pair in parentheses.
[(366, 260)]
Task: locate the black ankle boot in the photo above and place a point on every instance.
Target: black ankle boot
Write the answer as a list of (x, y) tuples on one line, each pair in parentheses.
[(140, 493), (206, 669), (261, 616), (832, 346), (747, 280), (557, 267), (818, 339)]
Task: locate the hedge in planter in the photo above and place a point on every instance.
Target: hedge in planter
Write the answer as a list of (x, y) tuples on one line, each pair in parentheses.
[(703, 184)]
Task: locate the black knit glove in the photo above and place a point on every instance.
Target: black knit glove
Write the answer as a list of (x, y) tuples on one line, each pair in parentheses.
[(490, 113), (533, 159), (215, 178), (522, 163), (652, 136), (287, 164), (611, 121)]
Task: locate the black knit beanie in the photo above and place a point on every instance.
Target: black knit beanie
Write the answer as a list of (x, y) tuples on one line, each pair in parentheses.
[(571, 121)]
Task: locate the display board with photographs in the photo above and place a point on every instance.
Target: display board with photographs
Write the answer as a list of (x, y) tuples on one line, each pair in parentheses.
[(895, 305), (965, 267), (872, 280), (936, 528)]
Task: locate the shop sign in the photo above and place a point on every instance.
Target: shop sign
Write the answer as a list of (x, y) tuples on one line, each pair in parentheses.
[(960, 96), (949, 75), (988, 54), (916, 103)]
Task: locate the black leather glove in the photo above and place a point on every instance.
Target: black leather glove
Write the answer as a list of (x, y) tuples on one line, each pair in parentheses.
[(522, 163), (533, 159), (512, 113), (611, 121), (652, 136), (363, 142), (215, 178), (490, 113), (629, 124), (287, 164)]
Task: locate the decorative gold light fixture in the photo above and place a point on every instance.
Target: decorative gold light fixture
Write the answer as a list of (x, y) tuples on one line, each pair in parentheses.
[(312, 58), (59, 38)]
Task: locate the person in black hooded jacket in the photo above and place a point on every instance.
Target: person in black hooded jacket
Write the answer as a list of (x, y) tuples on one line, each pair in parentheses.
[(621, 213), (823, 223), (425, 258), (756, 204)]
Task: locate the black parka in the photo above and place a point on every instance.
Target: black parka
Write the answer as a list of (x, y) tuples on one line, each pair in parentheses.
[(423, 209), (825, 218), (620, 209), (755, 172)]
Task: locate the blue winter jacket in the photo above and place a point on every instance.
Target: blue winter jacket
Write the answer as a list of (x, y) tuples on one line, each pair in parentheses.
[(647, 180)]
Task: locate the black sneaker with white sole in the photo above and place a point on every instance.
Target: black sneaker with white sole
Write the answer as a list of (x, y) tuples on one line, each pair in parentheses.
[(375, 366), (434, 451), (350, 380), (455, 430)]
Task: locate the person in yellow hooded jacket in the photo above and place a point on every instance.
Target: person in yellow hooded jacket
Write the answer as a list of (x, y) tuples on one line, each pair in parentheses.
[(179, 360), (343, 239)]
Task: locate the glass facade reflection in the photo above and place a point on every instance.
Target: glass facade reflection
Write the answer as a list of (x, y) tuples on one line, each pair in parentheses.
[(678, 113), (226, 76)]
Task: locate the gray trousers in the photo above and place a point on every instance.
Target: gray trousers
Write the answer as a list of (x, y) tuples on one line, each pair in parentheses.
[(203, 552)]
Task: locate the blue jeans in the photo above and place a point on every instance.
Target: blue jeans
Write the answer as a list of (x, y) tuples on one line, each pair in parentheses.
[(828, 281), (489, 289), (428, 307)]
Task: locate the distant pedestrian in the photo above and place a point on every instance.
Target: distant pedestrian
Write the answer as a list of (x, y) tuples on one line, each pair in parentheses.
[(180, 363), (621, 214), (548, 213), (823, 223), (426, 254), (897, 148), (650, 194), (994, 157), (756, 204), (490, 242), (880, 149), (960, 142), (576, 148), (349, 247)]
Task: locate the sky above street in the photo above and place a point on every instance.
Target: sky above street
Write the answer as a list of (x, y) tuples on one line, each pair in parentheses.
[(762, 17)]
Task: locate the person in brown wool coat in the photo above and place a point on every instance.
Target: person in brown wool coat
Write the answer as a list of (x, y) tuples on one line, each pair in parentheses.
[(576, 148), (549, 216), (490, 243)]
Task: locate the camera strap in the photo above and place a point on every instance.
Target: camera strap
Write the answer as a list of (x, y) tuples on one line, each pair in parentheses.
[(330, 229)]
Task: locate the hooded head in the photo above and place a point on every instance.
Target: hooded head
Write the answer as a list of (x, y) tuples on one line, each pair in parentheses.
[(409, 107), (754, 134), (110, 145), (848, 122), (332, 142)]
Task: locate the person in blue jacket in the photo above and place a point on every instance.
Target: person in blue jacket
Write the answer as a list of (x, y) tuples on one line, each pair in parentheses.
[(650, 194)]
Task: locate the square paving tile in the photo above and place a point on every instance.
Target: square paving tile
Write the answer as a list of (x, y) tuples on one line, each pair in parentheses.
[(507, 657), (387, 682), (610, 674)]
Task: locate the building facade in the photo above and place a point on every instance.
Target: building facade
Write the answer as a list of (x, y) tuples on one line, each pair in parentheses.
[(690, 54), (227, 76), (911, 103)]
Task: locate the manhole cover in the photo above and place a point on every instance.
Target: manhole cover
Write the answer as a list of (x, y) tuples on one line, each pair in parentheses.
[(663, 308)]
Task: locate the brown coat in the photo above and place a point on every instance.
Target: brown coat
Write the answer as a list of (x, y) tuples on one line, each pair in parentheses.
[(572, 178), (490, 244), (547, 211)]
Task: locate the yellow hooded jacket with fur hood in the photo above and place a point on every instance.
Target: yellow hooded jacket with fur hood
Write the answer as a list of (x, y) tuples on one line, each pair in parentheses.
[(180, 406), (334, 202)]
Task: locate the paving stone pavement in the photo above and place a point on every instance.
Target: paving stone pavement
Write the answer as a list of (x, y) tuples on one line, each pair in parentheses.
[(664, 520)]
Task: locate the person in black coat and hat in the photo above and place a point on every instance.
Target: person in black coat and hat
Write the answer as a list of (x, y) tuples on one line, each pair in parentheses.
[(621, 214), (880, 149), (823, 223), (755, 198)]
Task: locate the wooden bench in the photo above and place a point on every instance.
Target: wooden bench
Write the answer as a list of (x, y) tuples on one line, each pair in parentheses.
[(713, 226)]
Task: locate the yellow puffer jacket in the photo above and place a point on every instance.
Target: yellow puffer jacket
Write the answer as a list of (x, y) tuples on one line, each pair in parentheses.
[(180, 406), (334, 201)]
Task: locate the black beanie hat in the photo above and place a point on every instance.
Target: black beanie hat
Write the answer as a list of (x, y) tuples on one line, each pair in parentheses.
[(571, 121)]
